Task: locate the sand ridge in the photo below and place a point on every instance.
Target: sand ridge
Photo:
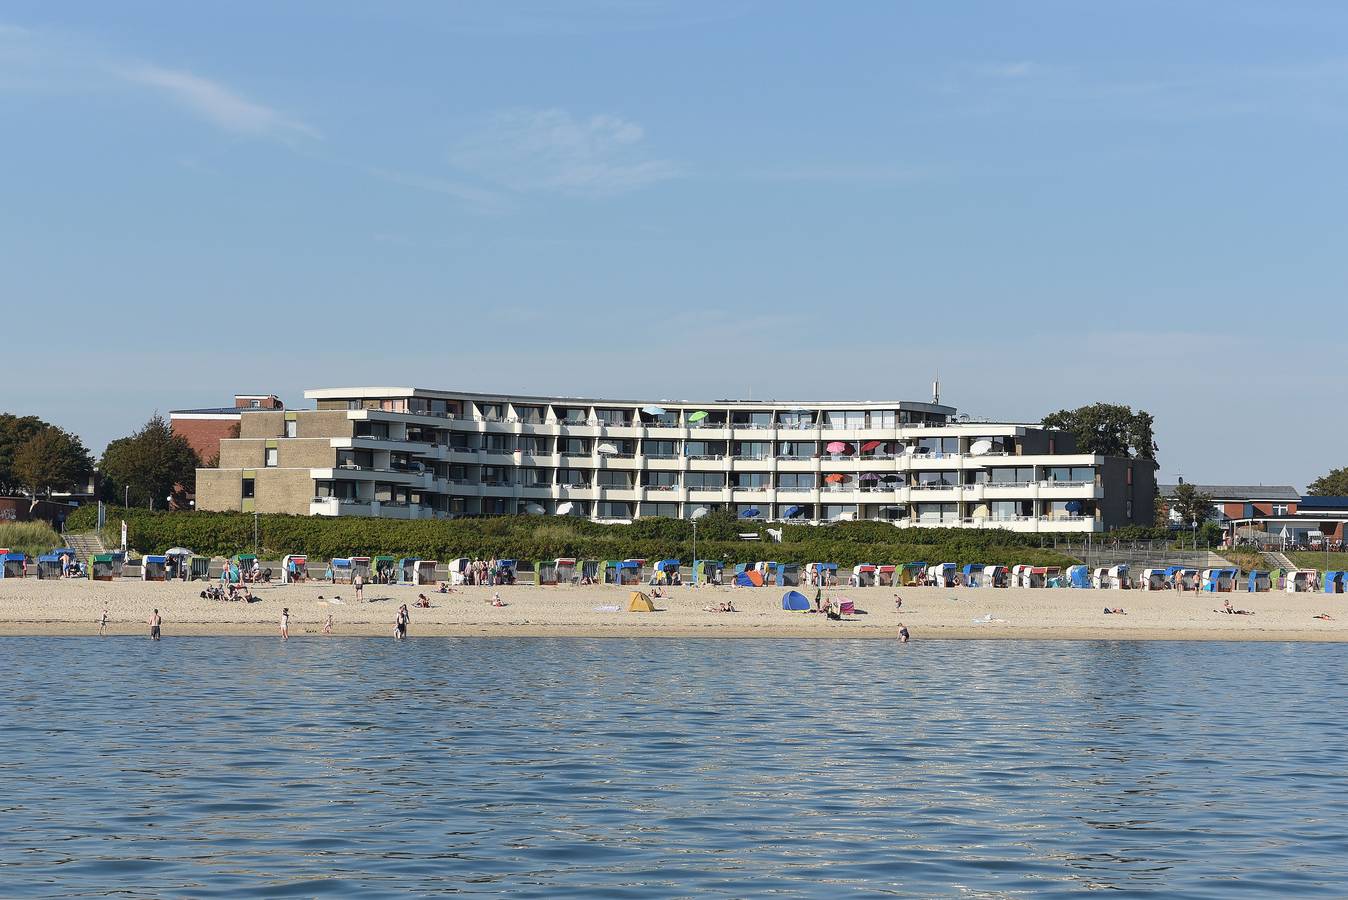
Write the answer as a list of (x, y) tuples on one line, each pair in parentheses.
[(72, 607)]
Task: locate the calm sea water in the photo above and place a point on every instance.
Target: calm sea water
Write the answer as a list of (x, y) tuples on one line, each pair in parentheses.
[(623, 768)]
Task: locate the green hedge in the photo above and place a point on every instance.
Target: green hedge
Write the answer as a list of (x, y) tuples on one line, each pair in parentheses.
[(535, 538)]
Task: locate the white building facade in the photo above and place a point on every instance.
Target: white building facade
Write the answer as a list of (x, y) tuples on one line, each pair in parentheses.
[(416, 453)]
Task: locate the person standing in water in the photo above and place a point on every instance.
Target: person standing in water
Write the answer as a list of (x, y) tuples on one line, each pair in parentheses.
[(154, 622), (327, 625), (103, 621), (285, 623), (903, 633)]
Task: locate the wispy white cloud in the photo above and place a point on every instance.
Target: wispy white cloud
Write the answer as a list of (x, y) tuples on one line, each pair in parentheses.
[(217, 104), (550, 150), (845, 173), (474, 198), (1020, 69)]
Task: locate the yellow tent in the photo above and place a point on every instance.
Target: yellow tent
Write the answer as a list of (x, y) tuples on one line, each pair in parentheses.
[(639, 602)]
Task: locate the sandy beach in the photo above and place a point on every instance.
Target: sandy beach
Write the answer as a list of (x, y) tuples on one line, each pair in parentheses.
[(73, 607)]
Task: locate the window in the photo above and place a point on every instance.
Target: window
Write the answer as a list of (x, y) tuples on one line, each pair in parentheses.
[(255, 404), (937, 513), (609, 478), (532, 415), (535, 477), (796, 418), (852, 418), (938, 446), (612, 416), (659, 449), (1011, 475), (573, 477), (751, 419), (492, 412), (570, 415), (796, 481), (704, 481), (291, 425), (498, 443), (667, 510), (1280, 509), (751, 481), (660, 479), (753, 449), (1069, 509), (248, 488), (271, 456), (496, 475), (1007, 510), (935, 479), (796, 450), (574, 446), (753, 509), (1071, 474), (704, 449), (884, 418), (832, 511), (607, 509), (535, 445)]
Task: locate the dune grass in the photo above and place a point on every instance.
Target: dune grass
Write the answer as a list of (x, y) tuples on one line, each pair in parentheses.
[(31, 538)]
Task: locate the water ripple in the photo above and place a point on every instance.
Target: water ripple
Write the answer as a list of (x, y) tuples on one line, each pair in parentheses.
[(623, 768)]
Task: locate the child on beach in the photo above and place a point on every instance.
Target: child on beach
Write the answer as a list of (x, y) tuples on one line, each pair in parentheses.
[(327, 624)]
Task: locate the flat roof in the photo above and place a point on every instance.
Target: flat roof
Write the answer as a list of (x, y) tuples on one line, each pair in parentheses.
[(1238, 491), (353, 393), (220, 410)]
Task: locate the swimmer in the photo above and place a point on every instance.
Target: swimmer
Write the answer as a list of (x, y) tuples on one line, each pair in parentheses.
[(903, 633), (154, 622)]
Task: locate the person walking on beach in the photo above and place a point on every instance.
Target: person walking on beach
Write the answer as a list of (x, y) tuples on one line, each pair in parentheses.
[(285, 623), (103, 621), (154, 622), (359, 584), (400, 624)]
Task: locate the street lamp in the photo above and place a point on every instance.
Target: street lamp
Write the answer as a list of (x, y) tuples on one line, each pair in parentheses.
[(697, 514)]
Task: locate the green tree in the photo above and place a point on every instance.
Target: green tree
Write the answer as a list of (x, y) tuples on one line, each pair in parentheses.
[(1335, 484), (52, 459), (145, 467), (1107, 428), (15, 431), (1192, 505)]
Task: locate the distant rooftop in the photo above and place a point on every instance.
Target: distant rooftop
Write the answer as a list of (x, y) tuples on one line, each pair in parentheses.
[(1238, 491)]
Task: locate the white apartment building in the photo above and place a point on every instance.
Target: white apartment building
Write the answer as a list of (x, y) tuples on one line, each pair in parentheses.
[(416, 453)]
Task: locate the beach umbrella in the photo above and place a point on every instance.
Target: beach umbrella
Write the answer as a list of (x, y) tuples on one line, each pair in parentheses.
[(534, 509), (565, 509), (870, 445), (978, 448), (891, 478), (749, 513), (869, 476), (838, 447), (653, 410), (179, 551), (836, 478), (607, 449), (793, 511), (697, 416), (1073, 506)]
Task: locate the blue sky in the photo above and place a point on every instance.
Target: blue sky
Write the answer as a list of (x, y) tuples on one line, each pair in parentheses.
[(1045, 204)]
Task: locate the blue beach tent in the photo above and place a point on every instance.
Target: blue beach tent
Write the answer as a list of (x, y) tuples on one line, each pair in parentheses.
[(1335, 582), (12, 564), (1079, 576), (1259, 581), (795, 600), (742, 579), (973, 574)]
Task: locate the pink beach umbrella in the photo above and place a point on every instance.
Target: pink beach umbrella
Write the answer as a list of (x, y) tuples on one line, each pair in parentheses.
[(838, 447)]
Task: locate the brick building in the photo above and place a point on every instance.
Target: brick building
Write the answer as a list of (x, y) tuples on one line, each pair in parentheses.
[(205, 428)]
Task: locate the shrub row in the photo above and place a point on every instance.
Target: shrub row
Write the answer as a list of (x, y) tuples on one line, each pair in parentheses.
[(532, 538)]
